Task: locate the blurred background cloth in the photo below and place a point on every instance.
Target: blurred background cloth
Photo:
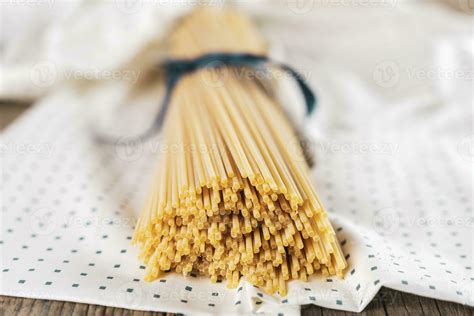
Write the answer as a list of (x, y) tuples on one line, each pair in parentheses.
[(45, 42)]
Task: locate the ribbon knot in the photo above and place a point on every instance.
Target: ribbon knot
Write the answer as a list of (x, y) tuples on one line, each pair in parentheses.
[(176, 68)]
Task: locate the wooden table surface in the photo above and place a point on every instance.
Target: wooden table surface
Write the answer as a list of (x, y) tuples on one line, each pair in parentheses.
[(387, 301)]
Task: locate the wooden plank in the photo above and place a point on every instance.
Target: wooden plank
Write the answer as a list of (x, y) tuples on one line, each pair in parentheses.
[(12, 306), (333, 312), (311, 310), (376, 306), (55, 308), (412, 304), (67, 308), (428, 306), (393, 303), (387, 302), (96, 310), (448, 308)]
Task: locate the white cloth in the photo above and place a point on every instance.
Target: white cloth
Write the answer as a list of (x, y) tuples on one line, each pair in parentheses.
[(392, 138)]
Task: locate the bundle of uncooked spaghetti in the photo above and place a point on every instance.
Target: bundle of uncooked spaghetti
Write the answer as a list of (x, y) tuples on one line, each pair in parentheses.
[(230, 197)]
